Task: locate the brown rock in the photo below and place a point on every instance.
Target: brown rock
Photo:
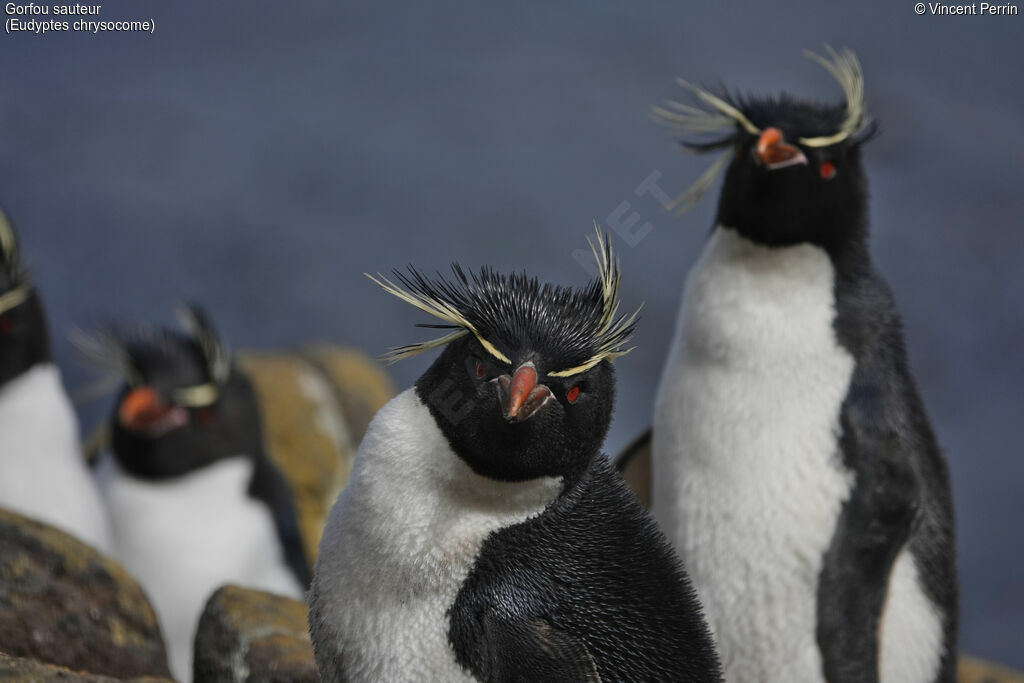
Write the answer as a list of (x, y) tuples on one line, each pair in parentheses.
[(974, 670), (634, 463), (304, 434), (361, 384), (21, 670), (314, 413), (62, 602), (253, 637)]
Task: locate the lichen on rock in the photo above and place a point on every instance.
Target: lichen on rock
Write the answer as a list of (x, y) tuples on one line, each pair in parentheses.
[(253, 637), (314, 409), (21, 670), (64, 603)]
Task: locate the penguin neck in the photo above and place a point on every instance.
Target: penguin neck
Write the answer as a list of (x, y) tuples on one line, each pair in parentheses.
[(35, 401), (844, 239), (29, 345), (406, 468)]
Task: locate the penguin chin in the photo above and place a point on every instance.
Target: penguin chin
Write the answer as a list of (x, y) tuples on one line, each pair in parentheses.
[(797, 160), (154, 428)]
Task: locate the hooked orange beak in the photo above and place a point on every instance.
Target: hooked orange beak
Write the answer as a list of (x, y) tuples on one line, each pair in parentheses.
[(775, 153), (520, 394), (142, 410)]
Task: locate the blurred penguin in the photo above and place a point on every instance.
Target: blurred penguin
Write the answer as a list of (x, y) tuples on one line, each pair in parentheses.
[(42, 471), (195, 501)]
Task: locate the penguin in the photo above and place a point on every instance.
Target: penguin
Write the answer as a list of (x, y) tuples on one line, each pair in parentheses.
[(195, 501), (483, 536), (42, 471), (794, 467)]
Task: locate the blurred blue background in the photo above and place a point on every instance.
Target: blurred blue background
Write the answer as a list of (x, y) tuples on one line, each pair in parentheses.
[(258, 157)]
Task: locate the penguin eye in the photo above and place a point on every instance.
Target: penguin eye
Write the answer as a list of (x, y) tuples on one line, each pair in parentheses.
[(206, 416), (480, 370), (5, 324), (573, 394), (827, 170)]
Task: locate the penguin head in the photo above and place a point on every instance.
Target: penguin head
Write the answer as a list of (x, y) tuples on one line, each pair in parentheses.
[(524, 387), (778, 191), (183, 404), (24, 339), (794, 170)]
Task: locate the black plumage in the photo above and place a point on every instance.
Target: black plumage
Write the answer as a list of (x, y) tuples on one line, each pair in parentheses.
[(563, 326), (24, 337), (589, 590)]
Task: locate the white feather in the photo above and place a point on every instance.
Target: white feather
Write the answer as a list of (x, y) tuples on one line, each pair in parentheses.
[(748, 475), (42, 472), (184, 538), (911, 632), (400, 541)]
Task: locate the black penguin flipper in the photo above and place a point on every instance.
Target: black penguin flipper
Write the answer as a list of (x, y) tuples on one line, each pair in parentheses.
[(874, 525), (634, 464), (269, 485), (532, 650)]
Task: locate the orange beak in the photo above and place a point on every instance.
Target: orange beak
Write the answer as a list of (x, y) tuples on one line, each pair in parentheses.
[(142, 410), (523, 382), (774, 153), (524, 396)]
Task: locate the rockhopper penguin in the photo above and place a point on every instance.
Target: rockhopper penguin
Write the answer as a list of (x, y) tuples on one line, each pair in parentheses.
[(195, 500), (794, 466), (483, 536), (42, 471)]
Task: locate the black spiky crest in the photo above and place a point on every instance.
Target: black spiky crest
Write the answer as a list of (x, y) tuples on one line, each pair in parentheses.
[(577, 327), (115, 350), (715, 121)]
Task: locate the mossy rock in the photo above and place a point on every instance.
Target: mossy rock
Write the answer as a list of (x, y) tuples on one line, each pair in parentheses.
[(314, 411), (21, 670), (360, 383), (249, 636), (63, 603)]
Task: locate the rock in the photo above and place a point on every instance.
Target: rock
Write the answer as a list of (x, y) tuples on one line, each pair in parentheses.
[(974, 670), (634, 463), (314, 412), (361, 384), (63, 603), (253, 637), (21, 670)]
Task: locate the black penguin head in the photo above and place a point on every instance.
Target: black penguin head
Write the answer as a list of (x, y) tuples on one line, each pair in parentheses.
[(794, 171), (525, 386), (24, 340), (183, 405)]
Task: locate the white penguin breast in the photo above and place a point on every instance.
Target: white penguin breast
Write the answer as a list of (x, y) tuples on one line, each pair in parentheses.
[(748, 475), (42, 471), (183, 538), (400, 541)]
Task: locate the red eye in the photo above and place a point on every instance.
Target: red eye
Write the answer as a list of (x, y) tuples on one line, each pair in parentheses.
[(206, 416), (573, 394), (479, 370), (5, 325), (827, 170)]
